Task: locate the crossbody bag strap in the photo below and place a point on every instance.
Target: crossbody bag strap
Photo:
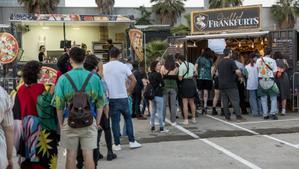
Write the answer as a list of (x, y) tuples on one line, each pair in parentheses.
[(86, 82), (267, 64), (187, 66), (71, 81)]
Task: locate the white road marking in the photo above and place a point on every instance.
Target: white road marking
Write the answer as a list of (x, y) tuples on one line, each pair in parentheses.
[(253, 132), (234, 125), (218, 147), (188, 132), (230, 154), (281, 141), (268, 121), (297, 146)]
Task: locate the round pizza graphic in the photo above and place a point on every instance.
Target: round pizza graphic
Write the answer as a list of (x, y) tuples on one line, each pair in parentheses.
[(48, 76), (9, 48)]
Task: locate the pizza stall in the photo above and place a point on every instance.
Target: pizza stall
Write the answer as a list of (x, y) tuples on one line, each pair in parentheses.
[(57, 32)]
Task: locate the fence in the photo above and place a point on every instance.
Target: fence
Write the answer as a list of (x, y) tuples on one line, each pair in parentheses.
[(295, 91)]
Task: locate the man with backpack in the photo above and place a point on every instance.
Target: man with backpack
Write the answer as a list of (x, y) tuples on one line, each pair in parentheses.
[(116, 74), (76, 93), (267, 69)]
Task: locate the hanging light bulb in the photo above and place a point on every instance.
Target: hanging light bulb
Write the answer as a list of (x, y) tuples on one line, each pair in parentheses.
[(252, 46), (240, 45), (266, 39), (194, 44), (262, 42), (181, 45)]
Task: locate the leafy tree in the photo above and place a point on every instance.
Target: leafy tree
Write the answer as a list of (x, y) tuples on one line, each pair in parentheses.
[(145, 16), (39, 6), (168, 10), (285, 11)]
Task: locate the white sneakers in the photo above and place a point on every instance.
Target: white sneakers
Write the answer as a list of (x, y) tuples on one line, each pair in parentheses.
[(116, 147), (134, 145)]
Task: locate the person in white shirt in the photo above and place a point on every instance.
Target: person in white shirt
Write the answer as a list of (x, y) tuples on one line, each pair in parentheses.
[(267, 69), (6, 130), (116, 75), (251, 74)]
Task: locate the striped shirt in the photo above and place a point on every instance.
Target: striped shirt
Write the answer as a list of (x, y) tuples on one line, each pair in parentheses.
[(6, 119)]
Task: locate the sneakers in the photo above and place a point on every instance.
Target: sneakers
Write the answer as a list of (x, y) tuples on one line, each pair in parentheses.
[(274, 117), (153, 129), (214, 112), (163, 130), (204, 111), (240, 118), (266, 117), (111, 156), (193, 120), (186, 122), (116, 147), (283, 112), (134, 145)]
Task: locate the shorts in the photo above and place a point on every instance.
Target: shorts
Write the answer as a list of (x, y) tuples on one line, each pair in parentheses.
[(216, 83), (204, 84), (87, 136)]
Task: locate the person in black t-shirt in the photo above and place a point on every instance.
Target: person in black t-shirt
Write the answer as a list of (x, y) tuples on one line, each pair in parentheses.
[(227, 84), (41, 54)]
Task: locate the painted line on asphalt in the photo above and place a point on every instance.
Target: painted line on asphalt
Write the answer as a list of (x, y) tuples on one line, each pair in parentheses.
[(188, 132), (297, 146), (281, 141), (218, 147), (234, 125), (253, 132), (257, 122), (230, 154)]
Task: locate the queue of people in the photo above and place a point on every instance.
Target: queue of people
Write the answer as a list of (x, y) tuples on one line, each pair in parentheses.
[(88, 95)]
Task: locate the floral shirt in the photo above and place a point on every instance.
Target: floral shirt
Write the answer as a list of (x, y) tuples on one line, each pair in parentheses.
[(265, 71)]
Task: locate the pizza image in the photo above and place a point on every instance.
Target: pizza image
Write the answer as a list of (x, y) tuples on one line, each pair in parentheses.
[(49, 76), (9, 48)]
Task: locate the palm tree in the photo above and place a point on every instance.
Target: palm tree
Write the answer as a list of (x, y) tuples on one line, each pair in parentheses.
[(155, 49), (183, 29), (285, 12), (224, 3), (40, 6), (145, 16), (105, 6), (168, 10)]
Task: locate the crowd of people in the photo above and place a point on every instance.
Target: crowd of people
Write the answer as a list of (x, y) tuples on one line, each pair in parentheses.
[(88, 95)]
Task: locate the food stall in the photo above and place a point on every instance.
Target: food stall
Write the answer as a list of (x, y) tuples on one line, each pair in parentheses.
[(239, 28), (54, 31)]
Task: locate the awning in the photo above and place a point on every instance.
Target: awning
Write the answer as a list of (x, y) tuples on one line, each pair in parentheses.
[(70, 18), (226, 35)]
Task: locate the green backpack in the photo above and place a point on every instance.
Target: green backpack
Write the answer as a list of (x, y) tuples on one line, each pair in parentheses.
[(46, 112)]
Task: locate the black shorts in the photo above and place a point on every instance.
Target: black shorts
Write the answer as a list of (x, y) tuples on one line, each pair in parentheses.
[(204, 84), (216, 83)]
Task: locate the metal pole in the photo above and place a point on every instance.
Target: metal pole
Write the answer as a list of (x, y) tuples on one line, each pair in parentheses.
[(64, 37), (144, 44)]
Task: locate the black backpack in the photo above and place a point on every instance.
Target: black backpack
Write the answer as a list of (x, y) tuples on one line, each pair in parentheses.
[(78, 107), (149, 92)]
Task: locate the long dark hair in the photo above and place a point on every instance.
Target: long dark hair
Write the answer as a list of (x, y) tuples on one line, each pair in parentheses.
[(169, 63), (153, 65)]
